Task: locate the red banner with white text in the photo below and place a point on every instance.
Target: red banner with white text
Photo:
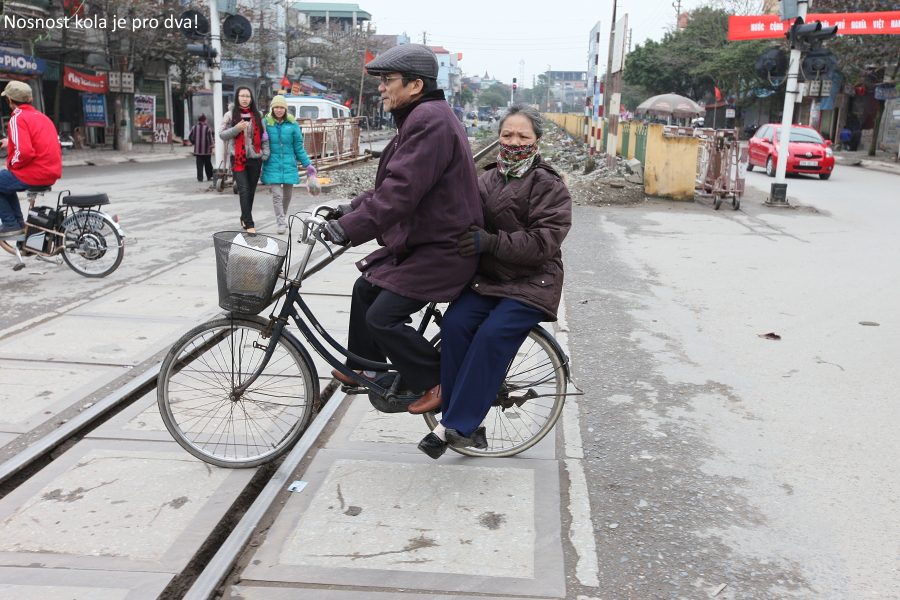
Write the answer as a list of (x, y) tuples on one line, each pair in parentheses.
[(761, 27), (79, 80)]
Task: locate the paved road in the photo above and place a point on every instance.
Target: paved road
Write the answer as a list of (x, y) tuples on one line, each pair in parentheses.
[(717, 457), (713, 456)]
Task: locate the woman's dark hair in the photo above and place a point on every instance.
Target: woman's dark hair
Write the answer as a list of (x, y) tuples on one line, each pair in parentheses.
[(428, 85), (236, 110), (537, 121)]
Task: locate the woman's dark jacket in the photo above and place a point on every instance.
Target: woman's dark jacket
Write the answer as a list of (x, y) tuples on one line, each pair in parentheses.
[(531, 216)]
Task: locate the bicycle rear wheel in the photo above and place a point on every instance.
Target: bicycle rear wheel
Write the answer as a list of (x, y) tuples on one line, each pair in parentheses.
[(195, 397), (529, 402), (93, 246)]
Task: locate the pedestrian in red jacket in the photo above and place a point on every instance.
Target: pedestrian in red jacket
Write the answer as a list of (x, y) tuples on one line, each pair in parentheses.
[(34, 156)]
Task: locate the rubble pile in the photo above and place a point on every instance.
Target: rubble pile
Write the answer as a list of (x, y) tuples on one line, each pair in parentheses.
[(589, 178)]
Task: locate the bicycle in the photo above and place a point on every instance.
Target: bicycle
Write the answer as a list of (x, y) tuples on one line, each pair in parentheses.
[(91, 242), (239, 390)]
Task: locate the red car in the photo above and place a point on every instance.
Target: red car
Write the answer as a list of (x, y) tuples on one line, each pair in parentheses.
[(807, 151)]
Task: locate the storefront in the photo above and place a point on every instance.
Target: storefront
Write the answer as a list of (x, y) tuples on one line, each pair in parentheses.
[(91, 89), (22, 68)]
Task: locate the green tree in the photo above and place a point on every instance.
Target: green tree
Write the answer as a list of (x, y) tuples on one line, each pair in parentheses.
[(466, 96), (495, 96), (694, 60)]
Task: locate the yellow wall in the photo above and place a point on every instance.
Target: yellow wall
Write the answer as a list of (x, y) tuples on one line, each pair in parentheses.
[(573, 123), (671, 165)]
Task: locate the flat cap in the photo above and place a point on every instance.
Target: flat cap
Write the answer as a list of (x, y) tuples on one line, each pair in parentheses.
[(17, 91), (409, 59)]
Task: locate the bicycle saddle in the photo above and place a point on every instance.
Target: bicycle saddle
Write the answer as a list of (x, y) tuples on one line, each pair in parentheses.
[(85, 200)]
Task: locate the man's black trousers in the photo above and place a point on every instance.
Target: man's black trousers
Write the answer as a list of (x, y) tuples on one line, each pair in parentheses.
[(379, 329)]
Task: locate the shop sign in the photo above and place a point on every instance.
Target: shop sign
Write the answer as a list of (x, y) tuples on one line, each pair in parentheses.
[(19, 63), (85, 82), (145, 112), (163, 132), (94, 110)]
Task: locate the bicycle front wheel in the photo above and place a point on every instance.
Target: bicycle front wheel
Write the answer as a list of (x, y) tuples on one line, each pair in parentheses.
[(93, 246), (199, 406), (529, 401)]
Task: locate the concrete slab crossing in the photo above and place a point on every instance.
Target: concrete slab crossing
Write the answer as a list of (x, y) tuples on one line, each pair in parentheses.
[(459, 525), (112, 505)]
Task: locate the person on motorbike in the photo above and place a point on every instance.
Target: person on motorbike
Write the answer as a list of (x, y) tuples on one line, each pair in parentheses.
[(34, 156)]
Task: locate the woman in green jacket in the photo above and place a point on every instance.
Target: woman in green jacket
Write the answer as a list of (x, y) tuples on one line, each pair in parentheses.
[(286, 150)]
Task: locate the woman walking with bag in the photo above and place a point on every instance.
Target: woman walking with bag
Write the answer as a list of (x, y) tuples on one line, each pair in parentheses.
[(249, 147), (286, 150)]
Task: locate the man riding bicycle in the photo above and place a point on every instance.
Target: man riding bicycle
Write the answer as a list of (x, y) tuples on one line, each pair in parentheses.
[(425, 197), (34, 159)]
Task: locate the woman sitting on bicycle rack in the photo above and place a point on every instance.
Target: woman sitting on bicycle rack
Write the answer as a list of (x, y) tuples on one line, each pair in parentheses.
[(527, 214)]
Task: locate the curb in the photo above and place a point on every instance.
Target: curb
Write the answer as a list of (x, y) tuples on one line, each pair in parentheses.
[(102, 161), (874, 165)]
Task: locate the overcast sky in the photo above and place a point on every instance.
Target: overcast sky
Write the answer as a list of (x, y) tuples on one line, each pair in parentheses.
[(509, 39)]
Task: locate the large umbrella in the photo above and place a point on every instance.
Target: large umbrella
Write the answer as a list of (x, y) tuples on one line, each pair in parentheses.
[(670, 105)]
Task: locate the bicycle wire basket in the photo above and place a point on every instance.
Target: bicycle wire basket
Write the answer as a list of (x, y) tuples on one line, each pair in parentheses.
[(247, 268)]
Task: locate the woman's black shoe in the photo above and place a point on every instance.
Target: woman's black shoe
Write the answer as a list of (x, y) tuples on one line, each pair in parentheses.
[(478, 439), (433, 446)]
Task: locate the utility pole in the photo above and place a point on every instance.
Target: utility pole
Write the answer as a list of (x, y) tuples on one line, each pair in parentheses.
[(549, 85), (424, 38), (607, 86), (778, 190), (677, 6), (215, 38)]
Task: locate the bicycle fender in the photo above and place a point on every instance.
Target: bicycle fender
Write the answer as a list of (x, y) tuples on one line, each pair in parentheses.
[(548, 337)]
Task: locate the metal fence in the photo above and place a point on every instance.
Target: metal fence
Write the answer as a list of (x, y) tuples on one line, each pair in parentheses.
[(331, 140)]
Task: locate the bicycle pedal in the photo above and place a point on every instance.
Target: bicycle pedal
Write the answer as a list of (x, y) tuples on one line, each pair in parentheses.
[(353, 389)]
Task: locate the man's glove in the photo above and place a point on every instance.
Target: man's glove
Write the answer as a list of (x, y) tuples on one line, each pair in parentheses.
[(477, 241), (340, 211), (333, 232), (312, 181)]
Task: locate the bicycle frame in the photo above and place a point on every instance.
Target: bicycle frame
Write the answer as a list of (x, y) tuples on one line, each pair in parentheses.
[(312, 227)]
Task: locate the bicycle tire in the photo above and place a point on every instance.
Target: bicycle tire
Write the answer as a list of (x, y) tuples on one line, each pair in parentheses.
[(512, 428), (86, 249), (199, 374)]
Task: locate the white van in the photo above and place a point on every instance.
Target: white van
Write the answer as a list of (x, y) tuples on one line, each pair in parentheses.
[(315, 107)]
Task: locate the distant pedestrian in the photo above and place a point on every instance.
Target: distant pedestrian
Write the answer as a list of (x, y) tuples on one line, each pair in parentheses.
[(201, 137), (285, 151), (249, 146)]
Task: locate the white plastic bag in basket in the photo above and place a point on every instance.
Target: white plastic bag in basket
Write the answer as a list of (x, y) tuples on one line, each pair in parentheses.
[(243, 259)]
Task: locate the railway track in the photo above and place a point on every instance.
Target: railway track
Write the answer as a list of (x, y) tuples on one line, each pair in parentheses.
[(214, 559)]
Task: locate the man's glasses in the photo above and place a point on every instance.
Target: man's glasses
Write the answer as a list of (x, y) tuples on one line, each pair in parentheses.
[(385, 80)]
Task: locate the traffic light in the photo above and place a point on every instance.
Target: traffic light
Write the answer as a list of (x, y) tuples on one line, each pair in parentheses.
[(514, 86), (806, 36), (772, 63), (820, 62), (204, 51)]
